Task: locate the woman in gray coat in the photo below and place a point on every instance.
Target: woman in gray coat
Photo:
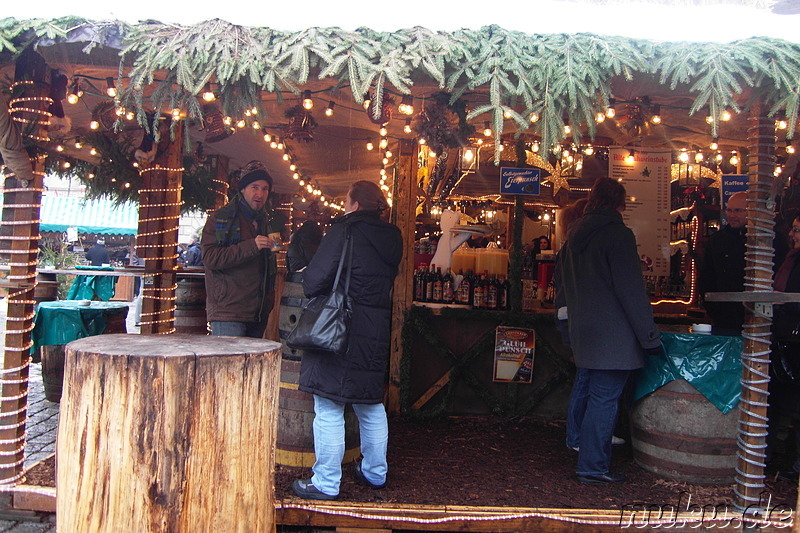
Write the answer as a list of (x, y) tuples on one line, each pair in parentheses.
[(611, 323)]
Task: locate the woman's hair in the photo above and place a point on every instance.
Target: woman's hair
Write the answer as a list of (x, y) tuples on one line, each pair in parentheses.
[(571, 214), (606, 193), (368, 195), (308, 233)]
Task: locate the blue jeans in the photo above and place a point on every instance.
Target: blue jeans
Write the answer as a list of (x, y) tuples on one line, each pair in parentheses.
[(238, 329), (329, 443), (592, 416)]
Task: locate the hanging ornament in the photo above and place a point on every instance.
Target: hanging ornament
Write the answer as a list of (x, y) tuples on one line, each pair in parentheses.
[(558, 180), (301, 124), (385, 114), (215, 127)]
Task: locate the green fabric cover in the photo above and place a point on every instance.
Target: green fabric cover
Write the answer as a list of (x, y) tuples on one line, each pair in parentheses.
[(86, 287), (711, 363), (66, 320)]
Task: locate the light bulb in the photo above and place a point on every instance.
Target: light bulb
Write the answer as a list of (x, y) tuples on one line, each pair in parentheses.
[(388, 153), (726, 115), (72, 98), (111, 90), (535, 147), (130, 115), (94, 125), (698, 157), (329, 109), (273, 144), (256, 125), (301, 183), (589, 150), (308, 103), (93, 151), (208, 95), (567, 129), (610, 112), (241, 123), (422, 140), (714, 144), (78, 144), (683, 157), (280, 145), (506, 113), (600, 117), (67, 164), (370, 146), (734, 160), (406, 106), (385, 160), (292, 167), (790, 149), (718, 157), (487, 131), (534, 117), (267, 137), (782, 124), (407, 127), (655, 119), (285, 157), (295, 176), (546, 216), (59, 148), (383, 132), (384, 143), (709, 119), (227, 121)]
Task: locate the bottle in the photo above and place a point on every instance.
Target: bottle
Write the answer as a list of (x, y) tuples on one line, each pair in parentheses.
[(505, 296), (447, 287), (437, 286), (462, 294), (479, 294), (419, 282), (470, 288), (491, 293), (429, 284)]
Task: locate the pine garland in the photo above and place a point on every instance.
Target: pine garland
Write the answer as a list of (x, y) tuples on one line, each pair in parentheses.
[(563, 78)]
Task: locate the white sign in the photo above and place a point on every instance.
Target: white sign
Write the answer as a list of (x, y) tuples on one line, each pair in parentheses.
[(646, 178)]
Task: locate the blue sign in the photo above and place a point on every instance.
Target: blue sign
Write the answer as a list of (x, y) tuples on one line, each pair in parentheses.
[(519, 180)]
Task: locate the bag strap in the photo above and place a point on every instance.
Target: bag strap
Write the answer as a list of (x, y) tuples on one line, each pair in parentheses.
[(347, 241)]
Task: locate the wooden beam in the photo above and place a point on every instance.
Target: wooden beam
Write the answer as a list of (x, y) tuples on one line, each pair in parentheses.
[(431, 392), (404, 216), (756, 331), (159, 212)]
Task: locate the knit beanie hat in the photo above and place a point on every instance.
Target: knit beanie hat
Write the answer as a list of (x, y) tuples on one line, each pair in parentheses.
[(253, 171)]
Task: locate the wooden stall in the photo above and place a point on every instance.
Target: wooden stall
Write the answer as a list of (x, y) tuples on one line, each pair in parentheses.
[(323, 107)]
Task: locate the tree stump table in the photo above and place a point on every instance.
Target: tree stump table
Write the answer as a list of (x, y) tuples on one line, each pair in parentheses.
[(167, 433)]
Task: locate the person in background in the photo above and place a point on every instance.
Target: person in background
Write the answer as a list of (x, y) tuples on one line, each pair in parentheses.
[(784, 398), (303, 245), (723, 267), (239, 265), (359, 376), (611, 323), (98, 255), (194, 254)]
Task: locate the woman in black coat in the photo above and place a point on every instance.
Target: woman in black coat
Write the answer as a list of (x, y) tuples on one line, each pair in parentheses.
[(359, 376)]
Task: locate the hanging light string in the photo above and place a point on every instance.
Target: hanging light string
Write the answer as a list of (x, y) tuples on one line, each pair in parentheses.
[(588, 517)]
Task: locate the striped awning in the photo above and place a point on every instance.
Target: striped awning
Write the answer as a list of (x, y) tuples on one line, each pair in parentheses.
[(88, 216)]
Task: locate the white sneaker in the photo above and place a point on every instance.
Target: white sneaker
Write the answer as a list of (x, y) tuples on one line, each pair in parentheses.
[(615, 441)]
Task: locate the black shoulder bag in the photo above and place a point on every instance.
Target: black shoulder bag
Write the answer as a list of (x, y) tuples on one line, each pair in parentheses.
[(325, 320), (785, 364)]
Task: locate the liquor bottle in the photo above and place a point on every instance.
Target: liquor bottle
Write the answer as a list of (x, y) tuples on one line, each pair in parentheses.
[(419, 282), (447, 287), (437, 286), (506, 294), (479, 293), (462, 294), (492, 298), (429, 284), (470, 288)]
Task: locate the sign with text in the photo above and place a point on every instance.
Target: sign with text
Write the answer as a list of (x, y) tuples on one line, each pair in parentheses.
[(646, 177), (519, 180), (513, 354)]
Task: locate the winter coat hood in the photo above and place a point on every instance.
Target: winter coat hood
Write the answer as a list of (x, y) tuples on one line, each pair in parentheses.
[(590, 225)]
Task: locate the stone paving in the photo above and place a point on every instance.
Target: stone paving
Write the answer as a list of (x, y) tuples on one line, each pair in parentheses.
[(40, 442)]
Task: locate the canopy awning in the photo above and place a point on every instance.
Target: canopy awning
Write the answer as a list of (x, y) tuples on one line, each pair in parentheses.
[(89, 216)]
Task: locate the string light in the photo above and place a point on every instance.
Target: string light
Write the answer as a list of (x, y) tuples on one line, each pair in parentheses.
[(383, 132), (370, 146), (406, 106), (407, 127), (384, 143), (588, 150), (726, 115), (308, 103), (111, 89), (600, 117), (487, 131), (656, 117), (714, 144), (683, 157), (329, 109), (734, 160), (630, 159), (534, 117), (208, 94)]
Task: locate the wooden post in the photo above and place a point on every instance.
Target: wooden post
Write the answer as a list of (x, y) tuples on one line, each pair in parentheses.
[(157, 240), (22, 202), (221, 184), (404, 215), (756, 331), (168, 433)]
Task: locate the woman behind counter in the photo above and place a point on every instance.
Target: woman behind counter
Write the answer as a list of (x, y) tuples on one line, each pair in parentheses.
[(359, 376)]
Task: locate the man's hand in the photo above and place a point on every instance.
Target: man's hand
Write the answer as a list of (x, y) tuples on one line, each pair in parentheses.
[(264, 242)]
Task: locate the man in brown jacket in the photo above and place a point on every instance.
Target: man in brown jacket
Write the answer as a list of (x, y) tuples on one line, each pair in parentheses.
[(240, 267)]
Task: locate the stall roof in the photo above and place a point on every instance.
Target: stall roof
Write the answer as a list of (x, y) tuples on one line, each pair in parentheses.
[(89, 216)]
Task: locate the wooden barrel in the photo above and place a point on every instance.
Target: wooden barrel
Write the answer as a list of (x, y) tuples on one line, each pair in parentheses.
[(53, 356), (190, 306), (295, 443), (678, 434)]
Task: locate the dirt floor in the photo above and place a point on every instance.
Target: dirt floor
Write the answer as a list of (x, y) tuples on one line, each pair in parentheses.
[(493, 462), (484, 461)]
